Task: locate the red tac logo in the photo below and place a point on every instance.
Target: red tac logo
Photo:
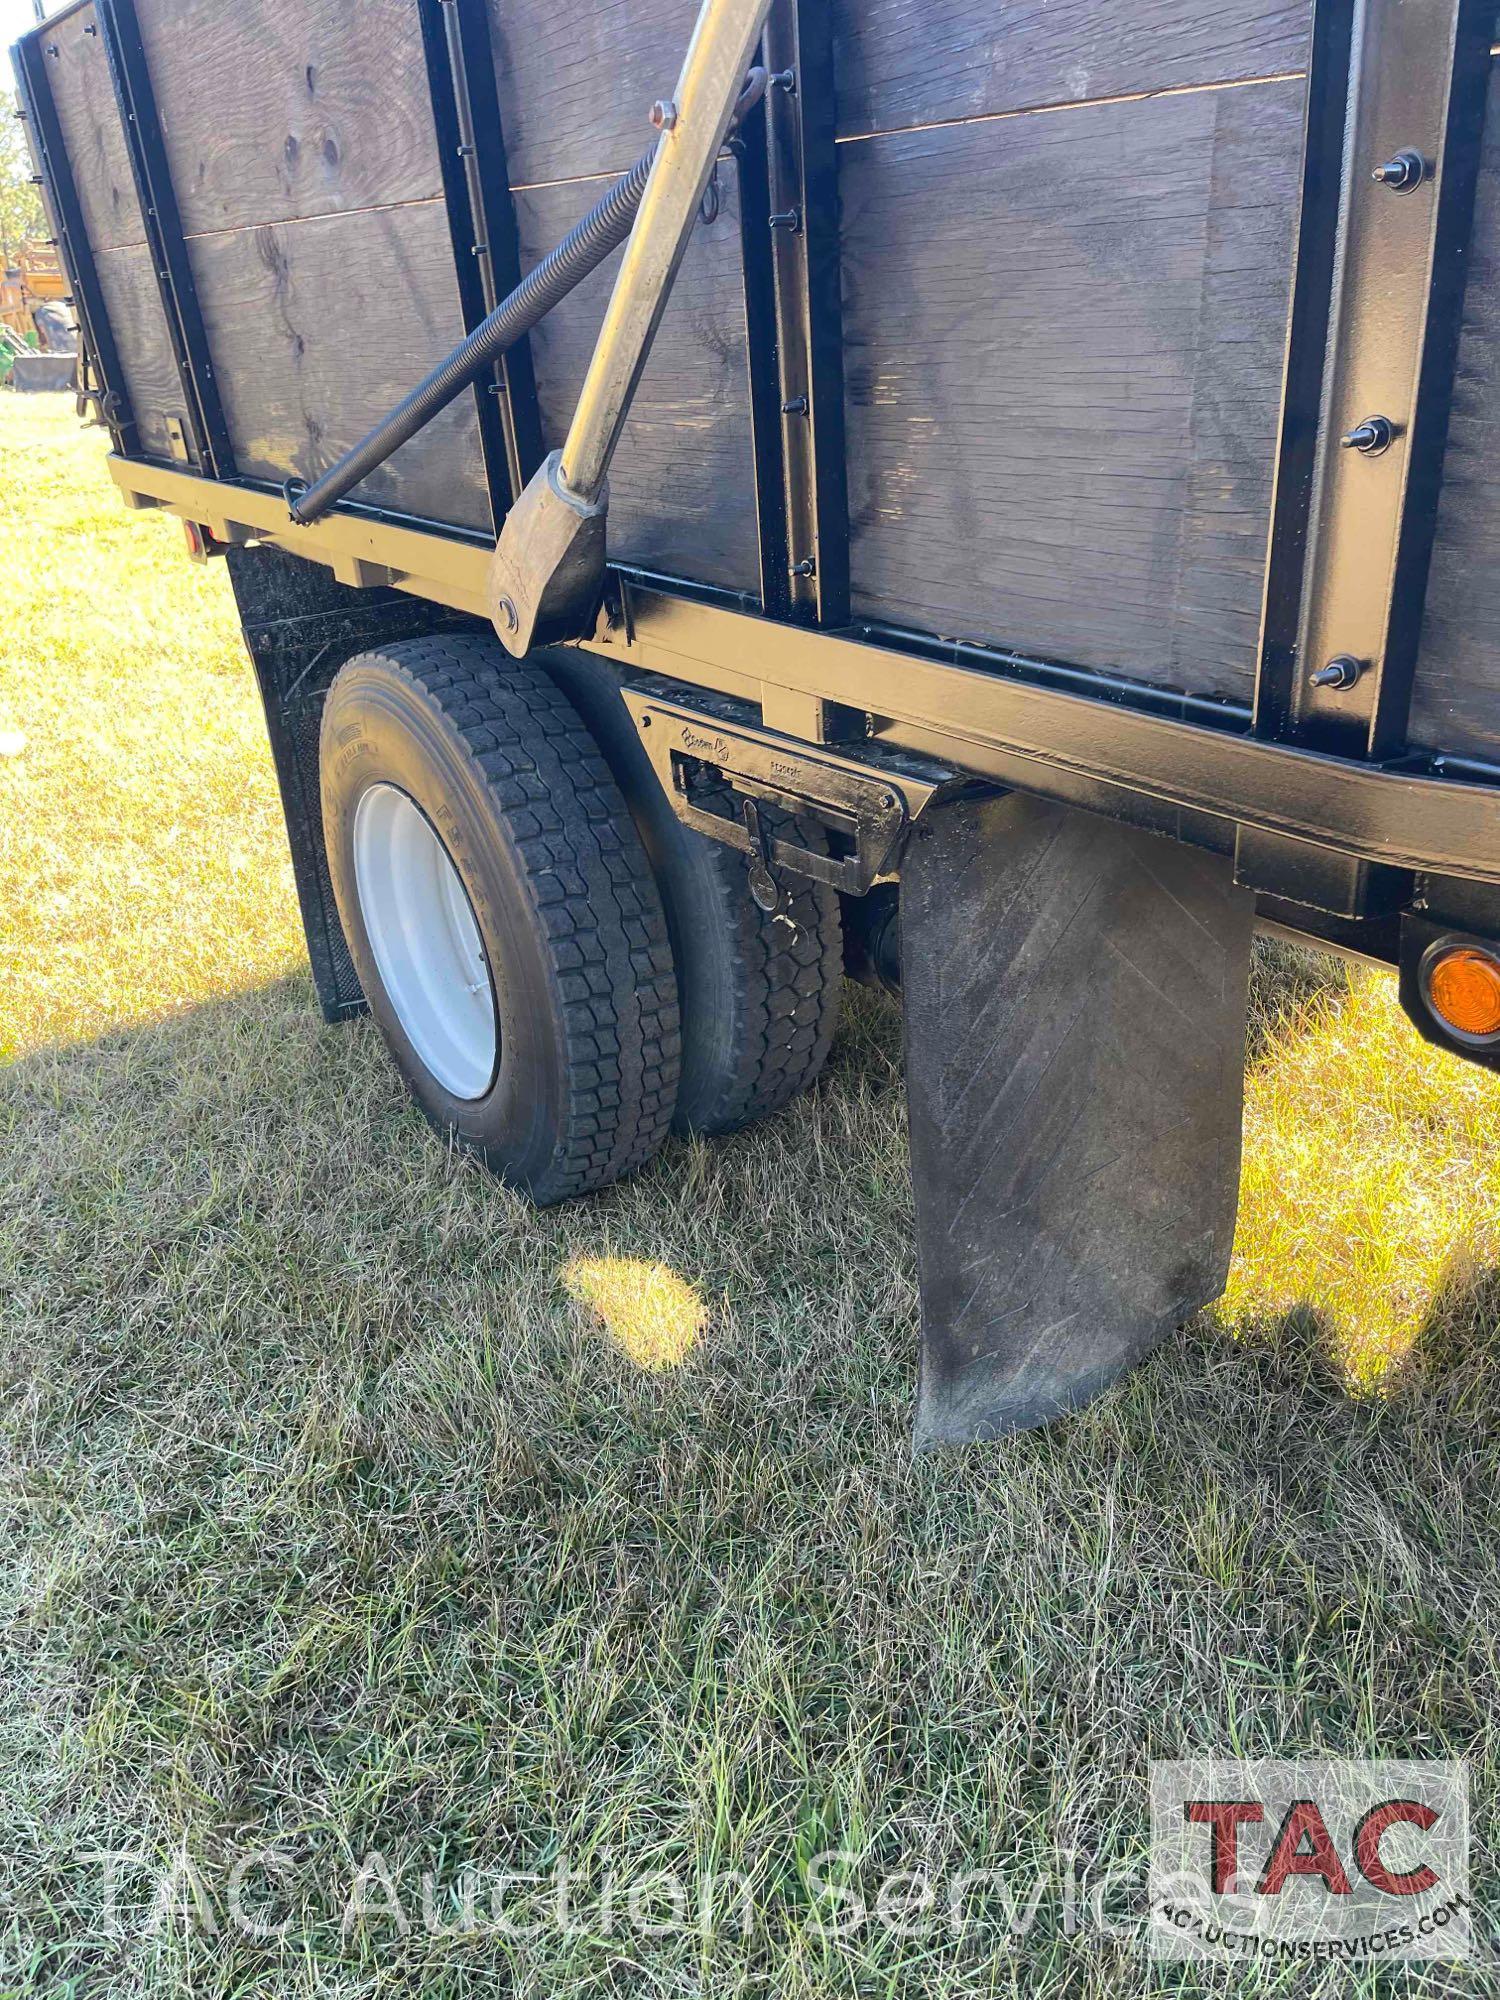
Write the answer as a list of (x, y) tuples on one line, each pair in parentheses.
[(1303, 1846)]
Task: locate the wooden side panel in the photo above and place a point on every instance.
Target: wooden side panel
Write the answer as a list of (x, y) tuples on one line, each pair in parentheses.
[(318, 328), (577, 77), (913, 62), (1456, 700), (127, 278), (272, 109), (1064, 341), (682, 488), (90, 120), (95, 138)]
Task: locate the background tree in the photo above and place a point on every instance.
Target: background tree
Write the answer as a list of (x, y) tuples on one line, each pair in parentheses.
[(21, 213)]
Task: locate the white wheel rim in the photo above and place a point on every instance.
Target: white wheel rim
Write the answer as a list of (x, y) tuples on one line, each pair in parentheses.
[(427, 947)]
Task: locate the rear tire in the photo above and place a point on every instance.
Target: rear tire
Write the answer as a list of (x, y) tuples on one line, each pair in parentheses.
[(760, 995), (474, 834)]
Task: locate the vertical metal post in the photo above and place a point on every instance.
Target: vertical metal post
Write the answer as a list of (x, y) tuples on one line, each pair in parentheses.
[(1315, 261), (457, 143), (1372, 345), (495, 205), (50, 155), (763, 362), (121, 34), (804, 224)]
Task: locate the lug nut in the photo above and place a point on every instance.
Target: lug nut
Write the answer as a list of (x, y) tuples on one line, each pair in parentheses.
[(1371, 437), (1404, 171), (1341, 672), (664, 114)]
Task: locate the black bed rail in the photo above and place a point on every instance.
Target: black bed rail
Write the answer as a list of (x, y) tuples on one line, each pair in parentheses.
[(98, 354)]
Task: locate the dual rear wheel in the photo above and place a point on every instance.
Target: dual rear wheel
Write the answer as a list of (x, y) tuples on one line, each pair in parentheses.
[(562, 971)]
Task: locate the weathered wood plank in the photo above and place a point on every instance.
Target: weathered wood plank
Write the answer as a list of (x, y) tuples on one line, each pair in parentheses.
[(127, 278), (1456, 699), (318, 327), (577, 80), (912, 62), (682, 488), (273, 109), (577, 77), (1064, 340), (95, 137)]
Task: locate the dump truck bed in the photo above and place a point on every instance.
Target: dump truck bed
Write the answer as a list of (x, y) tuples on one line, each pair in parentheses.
[(1062, 424), (1054, 519)]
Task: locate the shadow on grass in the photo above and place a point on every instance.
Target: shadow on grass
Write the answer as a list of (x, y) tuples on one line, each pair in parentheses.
[(345, 1525), (244, 1143)]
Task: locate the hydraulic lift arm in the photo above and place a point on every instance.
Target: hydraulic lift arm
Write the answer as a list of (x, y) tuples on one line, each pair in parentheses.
[(549, 566)]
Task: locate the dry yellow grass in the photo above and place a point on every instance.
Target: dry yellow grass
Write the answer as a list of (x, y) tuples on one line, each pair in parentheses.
[(348, 1504), (142, 861)]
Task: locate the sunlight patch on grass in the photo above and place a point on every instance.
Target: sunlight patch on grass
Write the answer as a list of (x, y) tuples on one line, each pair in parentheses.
[(1371, 1192), (143, 858), (651, 1314)]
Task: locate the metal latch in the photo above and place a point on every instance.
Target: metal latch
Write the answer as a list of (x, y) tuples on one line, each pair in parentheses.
[(867, 805)]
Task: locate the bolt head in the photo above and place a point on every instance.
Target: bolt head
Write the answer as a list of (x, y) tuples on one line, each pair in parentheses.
[(1342, 671), (1402, 172), (664, 114), (1371, 437)]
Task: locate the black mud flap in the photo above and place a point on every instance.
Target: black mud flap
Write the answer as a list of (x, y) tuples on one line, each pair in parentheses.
[(1075, 1036)]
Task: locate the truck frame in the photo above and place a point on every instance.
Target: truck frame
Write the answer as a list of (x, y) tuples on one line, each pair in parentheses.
[(1054, 791)]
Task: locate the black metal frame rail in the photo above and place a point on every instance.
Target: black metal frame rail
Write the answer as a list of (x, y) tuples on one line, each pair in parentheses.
[(98, 351), (1058, 732), (120, 31)]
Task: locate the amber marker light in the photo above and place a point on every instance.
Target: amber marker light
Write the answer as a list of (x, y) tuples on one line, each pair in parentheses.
[(1461, 984)]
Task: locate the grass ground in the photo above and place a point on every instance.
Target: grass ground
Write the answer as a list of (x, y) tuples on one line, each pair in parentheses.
[(348, 1506)]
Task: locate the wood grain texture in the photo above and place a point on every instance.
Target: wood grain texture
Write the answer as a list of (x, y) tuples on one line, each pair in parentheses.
[(272, 109), (1064, 339), (577, 79), (912, 62), (95, 138), (127, 279), (318, 328), (1456, 697), (682, 488)]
